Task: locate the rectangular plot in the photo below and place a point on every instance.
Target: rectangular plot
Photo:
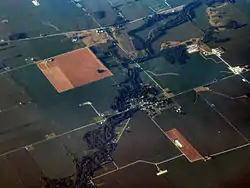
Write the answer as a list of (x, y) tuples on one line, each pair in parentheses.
[(21, 126), (56, 77), (176, 3), (197, 71), (73, 69), (28, 171), (231, 98), (188, 150), (8, 175), (11, 94), (139, 10), (53, 159)]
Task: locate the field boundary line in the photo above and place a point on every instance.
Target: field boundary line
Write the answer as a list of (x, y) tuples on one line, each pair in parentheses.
[(230, 150), (48, 139), (224, 118), (136, 162)]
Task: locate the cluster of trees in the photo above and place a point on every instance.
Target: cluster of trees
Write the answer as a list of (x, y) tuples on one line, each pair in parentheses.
[(233, 24), (176, 54), (211, 36), (129, 88), (17, 36), (100, 14), (101, 140)]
